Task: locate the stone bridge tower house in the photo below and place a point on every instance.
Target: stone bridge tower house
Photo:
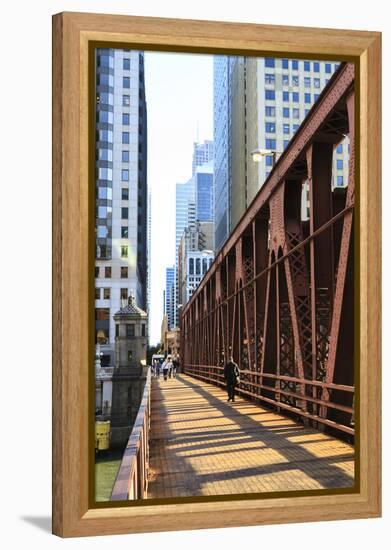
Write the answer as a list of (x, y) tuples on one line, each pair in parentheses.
[(130, 369)]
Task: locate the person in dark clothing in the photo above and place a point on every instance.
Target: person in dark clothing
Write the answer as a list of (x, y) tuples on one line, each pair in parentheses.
[(231, 375)]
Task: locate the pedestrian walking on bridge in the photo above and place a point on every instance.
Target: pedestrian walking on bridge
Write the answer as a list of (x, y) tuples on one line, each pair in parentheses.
[(232, 377)]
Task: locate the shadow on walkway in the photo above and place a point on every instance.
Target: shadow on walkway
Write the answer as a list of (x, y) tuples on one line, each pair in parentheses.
[(202, 445)]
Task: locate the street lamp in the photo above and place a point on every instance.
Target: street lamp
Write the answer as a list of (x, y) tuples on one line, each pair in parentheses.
[(258, 155)]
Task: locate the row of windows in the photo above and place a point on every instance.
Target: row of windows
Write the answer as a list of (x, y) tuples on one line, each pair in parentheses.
[(286, 79), (206, 263), (103, 233), (107, 272), (107, 154), (271, 94), (105, 295), (271, 62)]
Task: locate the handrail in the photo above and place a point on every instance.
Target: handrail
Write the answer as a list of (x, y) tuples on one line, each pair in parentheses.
[(218, 378), (132, 478)]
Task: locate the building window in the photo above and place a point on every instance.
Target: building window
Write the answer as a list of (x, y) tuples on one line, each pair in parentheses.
[(270, 128), (124, 272), (124, 232), (106, 294), (125, 137), (316, 67), (340, 181), (295, 80), (129, 329), (125, 156), (286, 143), (269, 160), (270, 144), (295, 97), (270, 94), (295, 65), (270, 111), (285, 79), (126, 82), (269, 78), (285, 112), (285, 96), (124, 213), (191, 266), (97, 294), (287, 128), (295, 127), (198, 266), (269, 62), (124, 293), (126, 64), (296, 113), (339, 148), (316, 96), (339, 164), (126, 119), (307, 66), (126, 100), (143, 330), (307, 98), (204, 265), (125, 175), (125, 194), (316, 82), (107, 272), (124, 251), (97, 272), (327, 68), (285, 64)]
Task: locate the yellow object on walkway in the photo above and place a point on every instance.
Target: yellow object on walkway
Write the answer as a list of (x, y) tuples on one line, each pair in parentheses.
[(102, 435)]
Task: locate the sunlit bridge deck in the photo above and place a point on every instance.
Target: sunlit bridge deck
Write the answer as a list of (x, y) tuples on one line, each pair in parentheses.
[(202, 445)]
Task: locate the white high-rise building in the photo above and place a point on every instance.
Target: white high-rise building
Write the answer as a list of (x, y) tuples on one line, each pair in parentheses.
[(121, 189)]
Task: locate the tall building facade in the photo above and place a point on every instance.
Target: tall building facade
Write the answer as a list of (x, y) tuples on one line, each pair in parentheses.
[(149, 258), (169, 297), (121, 189), (222, 69), (259, 103), (204, 196), (202, 153)]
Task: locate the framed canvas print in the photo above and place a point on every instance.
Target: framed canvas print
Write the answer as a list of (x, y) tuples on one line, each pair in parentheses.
[(216, 230)]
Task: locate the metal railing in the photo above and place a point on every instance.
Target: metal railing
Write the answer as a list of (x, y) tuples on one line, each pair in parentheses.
[(256, 387), (132, 479)]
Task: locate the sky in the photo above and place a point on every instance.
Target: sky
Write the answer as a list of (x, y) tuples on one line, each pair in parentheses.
[(179, 93)]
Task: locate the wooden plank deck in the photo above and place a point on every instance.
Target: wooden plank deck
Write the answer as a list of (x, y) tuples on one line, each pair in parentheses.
[(202, 445)]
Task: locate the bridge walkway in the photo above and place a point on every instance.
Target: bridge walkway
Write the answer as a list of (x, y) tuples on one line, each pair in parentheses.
[(202, 445)]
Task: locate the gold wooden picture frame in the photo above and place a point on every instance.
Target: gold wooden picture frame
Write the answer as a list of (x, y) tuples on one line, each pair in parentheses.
[(74, 513)]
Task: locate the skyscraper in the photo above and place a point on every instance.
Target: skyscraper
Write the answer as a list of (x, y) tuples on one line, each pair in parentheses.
[(222, 68), (121, 189), (203, 184), (169, 297), (259, 103), (202, 153), (149, 259)]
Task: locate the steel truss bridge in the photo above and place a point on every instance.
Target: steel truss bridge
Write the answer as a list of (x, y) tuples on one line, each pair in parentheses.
[(280, 293)]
